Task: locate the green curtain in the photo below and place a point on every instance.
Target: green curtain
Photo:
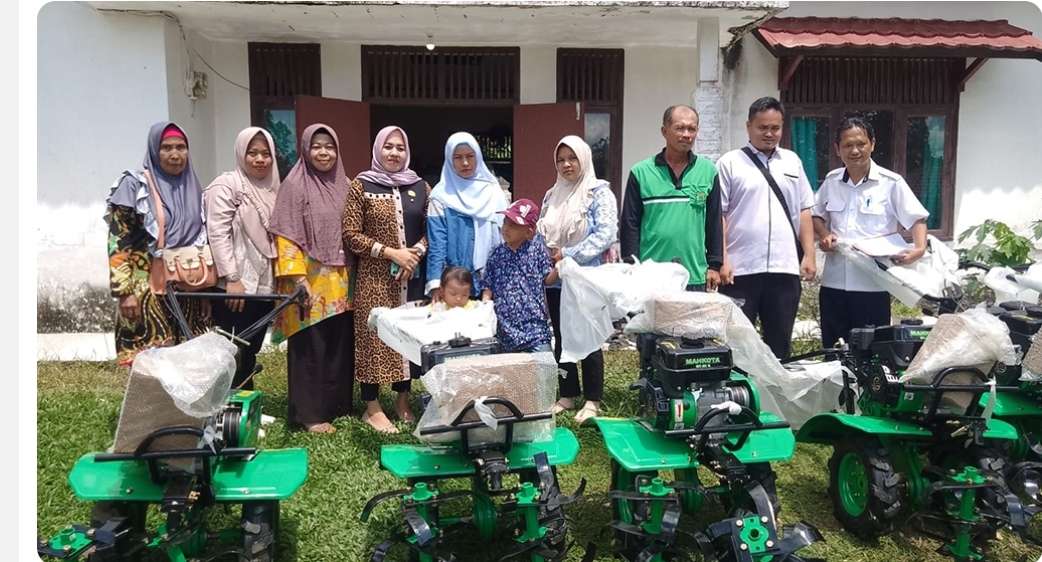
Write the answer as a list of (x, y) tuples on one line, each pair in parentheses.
[(933, 163), (805, 143)]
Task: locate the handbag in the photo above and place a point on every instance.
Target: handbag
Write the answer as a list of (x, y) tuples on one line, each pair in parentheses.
[(189, 268), (781, 199)]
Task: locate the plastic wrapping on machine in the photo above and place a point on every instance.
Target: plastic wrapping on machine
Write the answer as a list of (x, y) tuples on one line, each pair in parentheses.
[(971, 339), (1031, 365), (529, 380), (179, 385), (596, 296), (795, 394), (407, 328), (929, 276)]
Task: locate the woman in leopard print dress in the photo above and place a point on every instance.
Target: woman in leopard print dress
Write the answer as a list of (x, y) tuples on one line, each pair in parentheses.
[(385, 224)]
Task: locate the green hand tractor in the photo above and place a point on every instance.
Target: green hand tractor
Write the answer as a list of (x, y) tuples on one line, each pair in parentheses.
[(697, 411), (512, 483), (903, 453), (225, 467)]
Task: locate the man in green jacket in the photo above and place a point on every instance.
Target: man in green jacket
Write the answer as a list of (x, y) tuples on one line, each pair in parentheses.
[(671, 208)]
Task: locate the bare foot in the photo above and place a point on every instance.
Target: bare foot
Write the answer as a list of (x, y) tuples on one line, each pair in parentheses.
[(379, 422), (404, 409), (324, 427)]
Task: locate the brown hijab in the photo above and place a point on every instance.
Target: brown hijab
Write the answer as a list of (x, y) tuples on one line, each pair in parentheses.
[(310, 204)]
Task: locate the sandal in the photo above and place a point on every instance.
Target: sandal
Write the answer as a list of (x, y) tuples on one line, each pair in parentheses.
[(562, 405), (589, 410)]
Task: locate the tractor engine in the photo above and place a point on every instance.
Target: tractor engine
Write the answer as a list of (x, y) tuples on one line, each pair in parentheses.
[(682, 379), (880, 355)]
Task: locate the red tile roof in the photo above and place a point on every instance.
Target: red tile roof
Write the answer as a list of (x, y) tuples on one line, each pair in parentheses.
[(898, 37)]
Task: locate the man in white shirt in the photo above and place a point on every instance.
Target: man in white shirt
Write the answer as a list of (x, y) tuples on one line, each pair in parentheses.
[(764, 235), (861, 200)]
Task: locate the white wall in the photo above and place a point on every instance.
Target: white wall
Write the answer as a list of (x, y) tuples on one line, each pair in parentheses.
[(996, 164), (196, 117), (755, 76), (656, 78), (539, 74), (341, 70), (101, 83), (231, 111)]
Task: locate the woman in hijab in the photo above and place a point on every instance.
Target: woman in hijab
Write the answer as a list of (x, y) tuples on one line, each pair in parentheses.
[(463, 221), (579, 220), (238, 214), (385, 224), (309, 254), (144, 320)]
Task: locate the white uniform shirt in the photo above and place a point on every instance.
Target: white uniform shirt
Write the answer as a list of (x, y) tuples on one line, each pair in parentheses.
[(759, 240), (874, 207)]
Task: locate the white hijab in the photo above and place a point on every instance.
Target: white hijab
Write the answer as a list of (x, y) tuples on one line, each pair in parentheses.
[(564, 215)]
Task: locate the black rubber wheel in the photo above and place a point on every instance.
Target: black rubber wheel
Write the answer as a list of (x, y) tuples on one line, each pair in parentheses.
[(260, 530), (867, 492)]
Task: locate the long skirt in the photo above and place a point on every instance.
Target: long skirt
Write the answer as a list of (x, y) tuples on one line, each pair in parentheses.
[(321, 364)]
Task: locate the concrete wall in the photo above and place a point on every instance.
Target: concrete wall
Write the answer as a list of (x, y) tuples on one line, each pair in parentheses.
[(102, 81), (656, 78), (996, 171)]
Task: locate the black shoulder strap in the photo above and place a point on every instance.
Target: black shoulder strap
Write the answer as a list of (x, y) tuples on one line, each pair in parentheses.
[(778, 194)]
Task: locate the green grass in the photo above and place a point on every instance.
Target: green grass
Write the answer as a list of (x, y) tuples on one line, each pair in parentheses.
[(79, 404)]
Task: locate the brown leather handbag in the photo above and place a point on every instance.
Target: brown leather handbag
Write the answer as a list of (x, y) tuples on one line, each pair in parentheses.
[(190, 268)]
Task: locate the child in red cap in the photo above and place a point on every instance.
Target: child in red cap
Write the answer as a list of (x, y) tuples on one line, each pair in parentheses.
[(515, 276)]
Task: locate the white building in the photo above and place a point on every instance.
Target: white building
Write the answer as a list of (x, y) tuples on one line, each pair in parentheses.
[(511, 72)]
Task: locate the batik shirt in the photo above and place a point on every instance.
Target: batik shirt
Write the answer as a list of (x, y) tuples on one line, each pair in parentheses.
[(516, 281)]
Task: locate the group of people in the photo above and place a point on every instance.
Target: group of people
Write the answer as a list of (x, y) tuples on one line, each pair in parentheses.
[(745, 226)]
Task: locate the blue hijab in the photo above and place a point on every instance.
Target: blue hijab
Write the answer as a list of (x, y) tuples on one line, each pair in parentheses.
[(478, 197)]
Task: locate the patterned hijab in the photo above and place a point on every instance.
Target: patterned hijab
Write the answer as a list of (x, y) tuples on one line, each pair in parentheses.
[(378, 174), (310, 204), (564, 220), (478, 196), (182, 196)]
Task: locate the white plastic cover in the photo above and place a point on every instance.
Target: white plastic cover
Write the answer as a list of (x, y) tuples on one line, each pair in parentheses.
[(1012, 286), (593, 297), (930, 275), (973, 338), (529, 380), (409, 327), (197, 374), (795, 394)]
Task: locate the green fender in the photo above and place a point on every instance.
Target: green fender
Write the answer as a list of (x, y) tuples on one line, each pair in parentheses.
[(1009, 405), (829, 428), (269, 475)]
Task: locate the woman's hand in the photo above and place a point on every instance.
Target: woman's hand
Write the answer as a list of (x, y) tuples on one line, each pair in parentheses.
[(556, 255), (406, 258), (435, 295), (235, 288), (129, 308), (486, 295)]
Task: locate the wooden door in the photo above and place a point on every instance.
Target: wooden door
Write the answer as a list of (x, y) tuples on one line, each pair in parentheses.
[(537, 129), (350, 120)]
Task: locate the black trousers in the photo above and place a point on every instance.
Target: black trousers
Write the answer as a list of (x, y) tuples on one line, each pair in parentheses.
[(773, 298), (370, 391), (842, 311), (321, 366), (235, 322), (592, 366)]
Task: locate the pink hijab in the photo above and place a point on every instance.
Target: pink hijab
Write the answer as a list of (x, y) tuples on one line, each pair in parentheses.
[(310, 204), (378, 174)]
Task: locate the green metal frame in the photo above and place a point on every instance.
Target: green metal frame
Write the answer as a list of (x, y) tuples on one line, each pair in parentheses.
[(638, 449), (831, 427), (409, 462)]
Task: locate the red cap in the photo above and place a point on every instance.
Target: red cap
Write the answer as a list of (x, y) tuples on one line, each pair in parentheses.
[(523, 212), (172, 131)]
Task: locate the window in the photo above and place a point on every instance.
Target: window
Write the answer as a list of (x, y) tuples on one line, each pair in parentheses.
[(445, 76), (912, 103), (595, 77), (278, 72)]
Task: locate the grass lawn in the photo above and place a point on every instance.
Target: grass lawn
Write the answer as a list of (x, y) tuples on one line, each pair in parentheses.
[(79, 404)]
